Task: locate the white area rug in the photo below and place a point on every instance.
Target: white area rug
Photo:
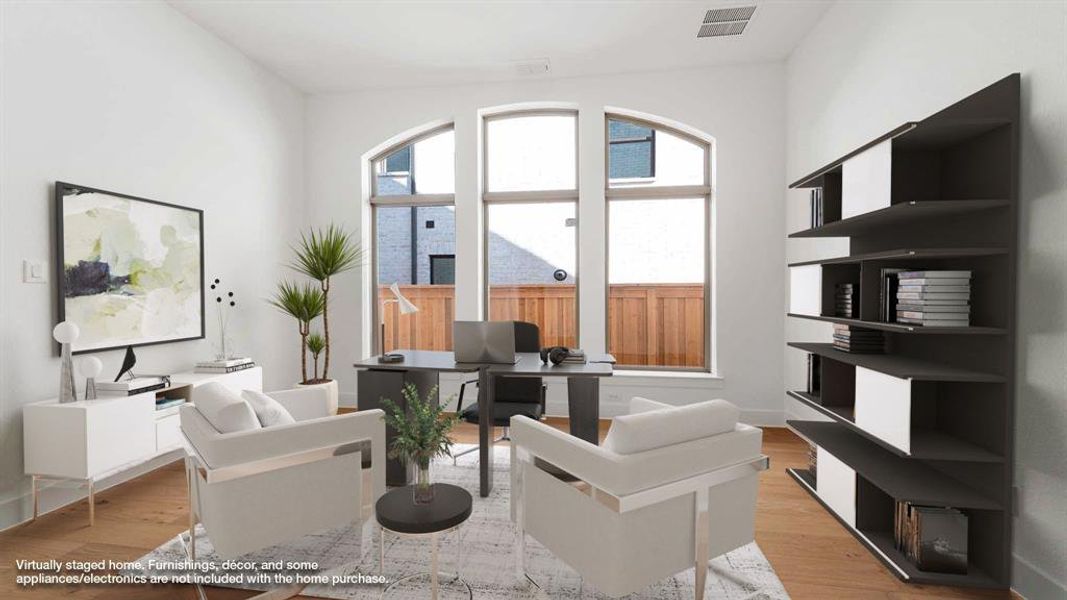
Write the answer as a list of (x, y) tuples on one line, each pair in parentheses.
[(486, 557)]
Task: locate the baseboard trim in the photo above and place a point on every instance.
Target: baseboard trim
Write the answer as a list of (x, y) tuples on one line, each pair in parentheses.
[(1029, 582), (18, 510)]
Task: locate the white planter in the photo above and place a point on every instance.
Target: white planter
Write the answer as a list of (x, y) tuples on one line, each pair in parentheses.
[(329, 386)]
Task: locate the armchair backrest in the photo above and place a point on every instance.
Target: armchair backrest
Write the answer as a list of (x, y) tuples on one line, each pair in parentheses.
[(254, 489), (521, 389)]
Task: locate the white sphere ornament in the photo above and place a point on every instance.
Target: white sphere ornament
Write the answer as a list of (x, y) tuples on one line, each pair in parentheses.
[(66, 332), (90, 366)]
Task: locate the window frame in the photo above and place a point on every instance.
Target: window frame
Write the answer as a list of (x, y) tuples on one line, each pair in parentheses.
[(663, 192), (408, 200), (530, 197)]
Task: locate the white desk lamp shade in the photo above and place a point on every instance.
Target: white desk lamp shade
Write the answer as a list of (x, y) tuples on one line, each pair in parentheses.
[(405, 305), (90, 367), (66, 332)]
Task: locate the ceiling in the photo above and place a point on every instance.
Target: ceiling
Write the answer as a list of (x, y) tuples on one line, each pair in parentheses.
[(338, 45)]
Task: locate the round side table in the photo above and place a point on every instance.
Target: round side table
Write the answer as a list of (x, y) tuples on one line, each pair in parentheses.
[(397, 512)]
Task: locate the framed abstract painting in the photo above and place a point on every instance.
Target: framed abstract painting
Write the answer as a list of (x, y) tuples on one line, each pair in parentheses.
[(130, 271)]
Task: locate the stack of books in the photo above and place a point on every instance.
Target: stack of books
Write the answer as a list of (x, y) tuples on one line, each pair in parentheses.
[(816, 208), (813, 460), (846, 301), (132, 387), (934, 298), (933, 538), (575, 357), (858, 340), (229, 365)]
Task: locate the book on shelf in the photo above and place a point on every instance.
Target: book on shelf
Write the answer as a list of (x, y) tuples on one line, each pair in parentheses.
[(165, 403), (816, 202), (131, 387), (934, 281), (920, 315), (887, 293), (934, 275), (814, 375), (913, 289), (934, 308), (226, 362), (933, 538), (935, 322), (934, 302), (233, 369), (901, 295)]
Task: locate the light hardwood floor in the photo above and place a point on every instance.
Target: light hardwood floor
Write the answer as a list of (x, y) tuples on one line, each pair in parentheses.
[(812, 554)]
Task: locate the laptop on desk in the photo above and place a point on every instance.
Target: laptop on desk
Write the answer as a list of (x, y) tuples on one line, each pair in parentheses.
[(490, 342)]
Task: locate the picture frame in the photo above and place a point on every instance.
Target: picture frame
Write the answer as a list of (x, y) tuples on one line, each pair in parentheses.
[(129, 270)]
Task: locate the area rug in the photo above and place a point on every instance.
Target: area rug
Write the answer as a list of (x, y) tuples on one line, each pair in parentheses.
[(483, 548)]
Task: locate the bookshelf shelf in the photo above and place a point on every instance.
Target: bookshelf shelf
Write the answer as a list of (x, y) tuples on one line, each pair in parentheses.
[(899, 477), (937, 194), (906, 254), (897, 215), (880, 543), (896, 365), (925, 444), (902, 328)]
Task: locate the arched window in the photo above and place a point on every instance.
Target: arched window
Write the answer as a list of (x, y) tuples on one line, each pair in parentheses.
[(531, 217), (414, 221), (659, 246)]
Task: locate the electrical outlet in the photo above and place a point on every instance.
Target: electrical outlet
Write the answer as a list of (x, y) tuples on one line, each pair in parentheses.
[(33, 271)]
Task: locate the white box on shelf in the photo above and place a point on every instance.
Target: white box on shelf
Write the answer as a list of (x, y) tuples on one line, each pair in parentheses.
[(835, 482), (883, 407), (246, 379), (805, 290), (866, 180)]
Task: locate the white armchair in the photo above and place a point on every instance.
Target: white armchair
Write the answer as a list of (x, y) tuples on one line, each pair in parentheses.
[(674, 488), (257, 488)]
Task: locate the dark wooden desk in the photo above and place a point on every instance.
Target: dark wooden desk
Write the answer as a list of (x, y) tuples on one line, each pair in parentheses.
[(422, 366)]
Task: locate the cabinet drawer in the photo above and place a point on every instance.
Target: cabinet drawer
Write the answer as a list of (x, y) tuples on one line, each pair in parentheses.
[(866, 181), (883, 407), (168, 433), (835, 483), (805, 290)]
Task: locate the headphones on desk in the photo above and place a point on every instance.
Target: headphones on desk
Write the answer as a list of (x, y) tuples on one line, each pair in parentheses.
[(554, 354)]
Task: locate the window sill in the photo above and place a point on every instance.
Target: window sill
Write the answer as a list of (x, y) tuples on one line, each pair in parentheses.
[(651, 378)]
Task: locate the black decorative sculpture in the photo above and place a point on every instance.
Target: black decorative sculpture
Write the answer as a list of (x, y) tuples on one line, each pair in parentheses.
[(127, 364)]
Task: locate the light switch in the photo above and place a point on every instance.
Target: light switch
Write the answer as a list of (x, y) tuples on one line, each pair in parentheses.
[(33, 271)]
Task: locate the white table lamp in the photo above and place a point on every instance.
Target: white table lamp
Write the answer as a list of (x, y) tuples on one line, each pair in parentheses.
[(65, 333), (404, 305)]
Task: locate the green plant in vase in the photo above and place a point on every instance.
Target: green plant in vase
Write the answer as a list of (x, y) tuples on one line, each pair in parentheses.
[(315, 343), (322, 254), (422, 433), (304, 303)]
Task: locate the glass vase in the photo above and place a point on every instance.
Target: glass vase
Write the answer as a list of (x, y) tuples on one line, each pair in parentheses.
[(422, 491)]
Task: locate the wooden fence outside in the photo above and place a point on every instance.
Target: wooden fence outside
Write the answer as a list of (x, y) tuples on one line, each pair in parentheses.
[(648, 324)]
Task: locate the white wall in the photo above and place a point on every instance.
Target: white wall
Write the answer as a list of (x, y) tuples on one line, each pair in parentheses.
[(741, 107), (868, 67), (135, 98)]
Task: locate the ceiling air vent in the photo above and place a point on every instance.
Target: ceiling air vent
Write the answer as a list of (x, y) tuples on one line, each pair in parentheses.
[(720, 22)]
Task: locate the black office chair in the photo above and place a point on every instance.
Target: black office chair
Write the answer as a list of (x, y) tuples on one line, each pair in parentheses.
[(513, 395)]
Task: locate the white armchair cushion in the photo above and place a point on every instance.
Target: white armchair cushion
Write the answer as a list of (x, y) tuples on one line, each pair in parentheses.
[(633, 433), (269, 411), (224, 409), (640, 405)]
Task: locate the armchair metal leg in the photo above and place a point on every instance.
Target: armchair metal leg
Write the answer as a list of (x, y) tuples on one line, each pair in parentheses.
[(700, 567)]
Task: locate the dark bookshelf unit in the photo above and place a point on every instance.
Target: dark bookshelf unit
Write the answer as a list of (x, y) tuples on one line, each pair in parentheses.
[(931, 420)]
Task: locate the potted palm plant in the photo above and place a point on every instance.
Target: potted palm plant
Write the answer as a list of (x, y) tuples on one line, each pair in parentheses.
[(321, 255), (422, 433), (305, 303)]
